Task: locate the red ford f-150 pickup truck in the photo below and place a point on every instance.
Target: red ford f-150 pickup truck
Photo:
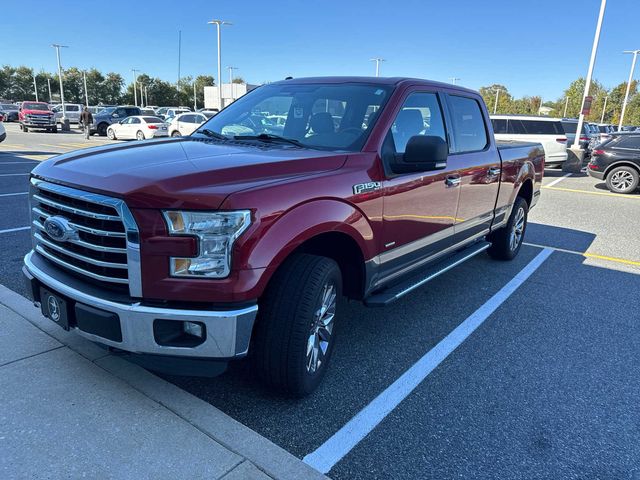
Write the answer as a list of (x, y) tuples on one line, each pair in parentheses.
[(36, 115), (239, 239)]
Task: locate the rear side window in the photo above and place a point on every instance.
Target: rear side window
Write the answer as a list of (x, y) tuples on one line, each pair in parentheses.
[(537, 127), (628, 142), (499, 125), (469, 132)]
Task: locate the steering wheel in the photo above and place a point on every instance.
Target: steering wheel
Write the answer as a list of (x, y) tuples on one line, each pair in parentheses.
[(355, 130)]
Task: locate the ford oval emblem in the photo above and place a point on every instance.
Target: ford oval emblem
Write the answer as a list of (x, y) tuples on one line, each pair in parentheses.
[(59, 229)]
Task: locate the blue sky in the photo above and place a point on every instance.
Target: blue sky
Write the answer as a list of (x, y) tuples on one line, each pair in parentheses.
[(533, 47)]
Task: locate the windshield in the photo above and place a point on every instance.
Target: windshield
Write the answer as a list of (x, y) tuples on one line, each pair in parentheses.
[(34, 106), (6, 107), (323, 116)]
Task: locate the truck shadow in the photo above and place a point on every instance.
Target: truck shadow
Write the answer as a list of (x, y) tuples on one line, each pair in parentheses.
[(375, 346)]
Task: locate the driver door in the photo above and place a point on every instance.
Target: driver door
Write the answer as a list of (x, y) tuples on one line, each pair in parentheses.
[(419, 210)]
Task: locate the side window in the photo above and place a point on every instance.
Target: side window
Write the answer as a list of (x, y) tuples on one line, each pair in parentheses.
[(629, 142), (516, 126), (186, 119), (121, 112), (135, 120), (499, 125), (420, 115), (468, 127)]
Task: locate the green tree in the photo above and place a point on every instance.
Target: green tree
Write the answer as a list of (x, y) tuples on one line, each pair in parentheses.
[(111, 89), (238, 80), (505, 100)]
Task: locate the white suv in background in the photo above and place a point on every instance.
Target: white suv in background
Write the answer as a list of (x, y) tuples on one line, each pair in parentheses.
[(529, 128)]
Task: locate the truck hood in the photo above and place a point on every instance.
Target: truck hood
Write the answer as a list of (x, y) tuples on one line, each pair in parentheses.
[(39, 112), (182, 173)]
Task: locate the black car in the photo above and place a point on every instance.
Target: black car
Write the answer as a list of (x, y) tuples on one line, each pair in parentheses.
[(617, 162), (9, 111)]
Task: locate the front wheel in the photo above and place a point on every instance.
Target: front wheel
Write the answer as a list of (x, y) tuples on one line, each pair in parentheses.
[(294, 335), (175, 133), (506, 242), (623, 180), (111, 134)]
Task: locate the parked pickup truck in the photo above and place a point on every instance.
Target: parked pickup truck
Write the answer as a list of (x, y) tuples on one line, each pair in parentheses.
[(216, 246), (36, 115)]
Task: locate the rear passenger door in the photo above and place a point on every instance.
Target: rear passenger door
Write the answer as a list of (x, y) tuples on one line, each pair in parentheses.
[(478, 164)]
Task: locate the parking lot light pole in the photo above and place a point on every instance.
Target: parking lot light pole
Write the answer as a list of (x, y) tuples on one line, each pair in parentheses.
[(49, 85), (378, 62), (231, 69), (566, 106), (454, 79), (604, 107), (195, 101), (587, 84), (86, 93), (218, 24), (626, 95), (495, 105), (35, 87), (65, 122), (135, 91)]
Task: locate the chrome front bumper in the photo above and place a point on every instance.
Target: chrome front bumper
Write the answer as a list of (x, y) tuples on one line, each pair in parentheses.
[(227, 332)]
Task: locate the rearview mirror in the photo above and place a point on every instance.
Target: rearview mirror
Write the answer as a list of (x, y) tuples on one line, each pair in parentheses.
[(423, 153)]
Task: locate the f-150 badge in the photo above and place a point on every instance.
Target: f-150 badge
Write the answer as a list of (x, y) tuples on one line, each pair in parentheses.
[(366, 187)]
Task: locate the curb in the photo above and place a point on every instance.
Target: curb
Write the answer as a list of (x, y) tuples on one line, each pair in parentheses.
[(236, 437)]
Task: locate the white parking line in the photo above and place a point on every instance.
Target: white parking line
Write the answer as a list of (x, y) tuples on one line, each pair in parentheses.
[(13, 194), (344, 440), (558, 180), (13, 174), (18, 162), (9, 230)]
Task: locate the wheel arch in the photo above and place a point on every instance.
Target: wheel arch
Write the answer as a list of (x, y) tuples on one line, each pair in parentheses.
[(621, 163)]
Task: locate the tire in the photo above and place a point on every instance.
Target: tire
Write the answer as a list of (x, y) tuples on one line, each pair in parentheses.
[(289, 318), (25, 129), (140, 135), (176, 133), (102, 129), (506, 242), (623, 180), (111, 135), (54, 129)]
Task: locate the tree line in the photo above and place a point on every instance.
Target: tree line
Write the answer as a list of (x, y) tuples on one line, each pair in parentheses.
[(569, 105), (17, 84)]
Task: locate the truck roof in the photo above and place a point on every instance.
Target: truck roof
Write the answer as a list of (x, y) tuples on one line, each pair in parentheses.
[(391, 81)]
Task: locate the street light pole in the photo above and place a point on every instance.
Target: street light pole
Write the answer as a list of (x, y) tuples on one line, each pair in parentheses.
[(566, 105), (231, 69), (495, 105), (604, 107), (58, 47), (587, 83), (626, 95), (378, 62), (86, 93), (141, 95), (195, 101), (49, 84), (218, 24), (454, 79), (35, 87), (135, 92)]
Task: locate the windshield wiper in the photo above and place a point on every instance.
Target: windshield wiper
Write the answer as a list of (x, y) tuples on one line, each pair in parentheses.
[(212, 134), (270, 137)]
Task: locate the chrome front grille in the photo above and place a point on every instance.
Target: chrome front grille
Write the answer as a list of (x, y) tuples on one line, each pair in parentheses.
[(99, 240)]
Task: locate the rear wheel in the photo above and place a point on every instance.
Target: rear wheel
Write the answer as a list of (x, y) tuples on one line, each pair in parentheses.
[(102, 129), (623, 180), (139, 135), (294, 335), (54, 129), (506, 242), (24, 128), (111, 134)]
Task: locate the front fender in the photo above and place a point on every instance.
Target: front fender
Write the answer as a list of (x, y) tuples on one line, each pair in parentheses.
[(274, 242)]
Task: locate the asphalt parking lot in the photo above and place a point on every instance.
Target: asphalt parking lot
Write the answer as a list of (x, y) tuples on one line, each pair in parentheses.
[(526, 369)]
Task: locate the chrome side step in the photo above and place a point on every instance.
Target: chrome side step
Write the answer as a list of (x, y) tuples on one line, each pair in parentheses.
[(391, 294)]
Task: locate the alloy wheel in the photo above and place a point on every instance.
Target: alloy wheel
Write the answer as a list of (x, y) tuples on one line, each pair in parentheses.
[(321, 329), (517, 231), (621, 180)]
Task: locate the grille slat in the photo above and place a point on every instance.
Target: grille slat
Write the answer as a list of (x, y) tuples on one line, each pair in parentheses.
[(96, 228)]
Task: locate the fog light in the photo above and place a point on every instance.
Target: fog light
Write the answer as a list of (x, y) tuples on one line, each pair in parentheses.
[(193, 328)]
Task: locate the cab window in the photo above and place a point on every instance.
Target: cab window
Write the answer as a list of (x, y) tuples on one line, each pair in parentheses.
[(420, 115), (469, 132)]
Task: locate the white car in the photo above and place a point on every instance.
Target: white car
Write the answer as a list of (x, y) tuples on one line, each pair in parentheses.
[(529, 128), (3, 133), (139, 127), (186, 123), (174, 112)]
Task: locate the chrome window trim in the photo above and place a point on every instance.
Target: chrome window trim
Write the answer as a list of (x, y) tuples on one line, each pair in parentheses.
[(131, 233)]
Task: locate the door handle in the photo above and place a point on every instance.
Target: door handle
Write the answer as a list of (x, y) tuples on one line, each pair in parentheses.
[(494, 171), (452, 181)]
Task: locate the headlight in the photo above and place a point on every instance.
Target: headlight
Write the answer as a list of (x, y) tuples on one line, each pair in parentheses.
[(216, 232)]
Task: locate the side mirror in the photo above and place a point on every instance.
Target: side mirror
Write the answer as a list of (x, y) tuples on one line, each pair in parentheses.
[(423, 153), (115, 115)]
